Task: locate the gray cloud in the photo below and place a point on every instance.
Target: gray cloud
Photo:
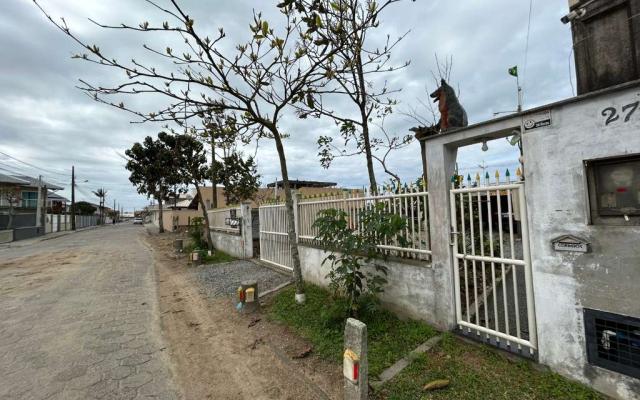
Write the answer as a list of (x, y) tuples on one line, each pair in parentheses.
[(45, 121)]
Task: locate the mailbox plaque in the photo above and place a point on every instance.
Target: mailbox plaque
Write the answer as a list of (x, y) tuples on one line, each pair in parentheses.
[(570, 243)]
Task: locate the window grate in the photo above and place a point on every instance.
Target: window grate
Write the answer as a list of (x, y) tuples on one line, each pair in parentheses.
[(613, 341)]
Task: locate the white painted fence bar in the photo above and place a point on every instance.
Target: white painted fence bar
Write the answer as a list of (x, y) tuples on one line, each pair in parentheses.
[(489, 302), (409, 203)]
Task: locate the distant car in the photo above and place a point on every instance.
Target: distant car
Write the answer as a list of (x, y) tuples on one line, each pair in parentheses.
[(137, 221)]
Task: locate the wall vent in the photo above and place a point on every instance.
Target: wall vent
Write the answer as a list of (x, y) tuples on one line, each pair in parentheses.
[(613, 341)]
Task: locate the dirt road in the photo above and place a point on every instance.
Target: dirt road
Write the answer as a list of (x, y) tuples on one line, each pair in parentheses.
[(219, 356)]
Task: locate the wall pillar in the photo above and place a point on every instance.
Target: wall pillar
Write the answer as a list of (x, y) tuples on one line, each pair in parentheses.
[(246, 231), (441, 161)]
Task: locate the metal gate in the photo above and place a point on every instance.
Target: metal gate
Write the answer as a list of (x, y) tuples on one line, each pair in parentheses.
[(492, 266), (274, 239)]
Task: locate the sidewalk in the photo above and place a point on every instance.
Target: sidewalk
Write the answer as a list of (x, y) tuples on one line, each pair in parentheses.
[(48, 236)]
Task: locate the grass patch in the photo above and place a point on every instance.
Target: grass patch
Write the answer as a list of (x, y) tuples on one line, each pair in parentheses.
[(216, 258), (479, 372), (389, 338)]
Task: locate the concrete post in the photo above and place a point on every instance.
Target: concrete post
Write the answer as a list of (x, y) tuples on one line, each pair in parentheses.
[(246, 231), (355, 340), (441, 161)]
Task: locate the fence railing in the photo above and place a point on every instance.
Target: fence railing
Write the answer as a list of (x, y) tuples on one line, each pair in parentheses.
[(225, 219), (62, 222), (411, 203)]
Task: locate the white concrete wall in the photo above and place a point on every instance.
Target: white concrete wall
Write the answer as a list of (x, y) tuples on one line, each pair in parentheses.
[(607, 278), (239, 245), (409, 291)]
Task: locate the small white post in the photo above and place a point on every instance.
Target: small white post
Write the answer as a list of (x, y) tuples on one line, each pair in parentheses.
[(355, 364)]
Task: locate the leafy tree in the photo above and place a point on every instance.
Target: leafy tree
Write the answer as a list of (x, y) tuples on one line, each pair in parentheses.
[(239, 177), (219, 134), (12, 196), (84, 208), (353, 250), (153, 170), (190, 163), (101, 194)]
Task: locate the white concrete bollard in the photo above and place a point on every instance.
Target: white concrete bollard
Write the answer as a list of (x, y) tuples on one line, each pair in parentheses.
[(355, 364)]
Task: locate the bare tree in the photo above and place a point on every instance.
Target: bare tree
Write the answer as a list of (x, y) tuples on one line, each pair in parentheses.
[(254, 83), (11, 196), (355, 74)]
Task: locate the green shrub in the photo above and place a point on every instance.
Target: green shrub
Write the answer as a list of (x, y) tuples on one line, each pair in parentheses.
[(195, 233), (351, 250)]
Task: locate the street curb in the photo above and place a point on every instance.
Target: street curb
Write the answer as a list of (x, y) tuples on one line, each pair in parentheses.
[(19, 243), (401, 364), (275, 289)]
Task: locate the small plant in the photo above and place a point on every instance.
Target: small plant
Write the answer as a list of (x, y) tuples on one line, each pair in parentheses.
[(195, 233), (355, 274)]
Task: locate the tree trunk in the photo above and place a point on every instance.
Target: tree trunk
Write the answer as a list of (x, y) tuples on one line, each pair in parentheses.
[(11, 211), (362, 105), (161, 228), (423, 151), (214, 189), (206, 218), (291, 226)]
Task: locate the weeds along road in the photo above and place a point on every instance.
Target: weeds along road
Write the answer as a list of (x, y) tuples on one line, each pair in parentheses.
[(79, 319)]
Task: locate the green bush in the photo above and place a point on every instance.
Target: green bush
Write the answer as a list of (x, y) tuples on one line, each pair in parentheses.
[(195, 233)]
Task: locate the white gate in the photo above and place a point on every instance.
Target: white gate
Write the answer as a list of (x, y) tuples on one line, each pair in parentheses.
[(274, 239), (492, 266)]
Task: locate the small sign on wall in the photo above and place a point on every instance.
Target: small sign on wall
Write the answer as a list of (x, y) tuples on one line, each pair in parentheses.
[(570, 243), (535, 121)]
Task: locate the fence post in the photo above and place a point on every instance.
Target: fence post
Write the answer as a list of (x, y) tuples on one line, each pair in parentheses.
[(355, 364), (296, 219), (245, 229)]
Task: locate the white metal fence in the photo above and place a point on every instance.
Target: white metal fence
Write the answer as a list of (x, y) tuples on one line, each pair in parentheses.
[(275, 247), (493, 283), (409, 203), (62, 222), (225, 219)]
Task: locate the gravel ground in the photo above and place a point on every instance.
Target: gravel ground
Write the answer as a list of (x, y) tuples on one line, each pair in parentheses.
[(221, 280)]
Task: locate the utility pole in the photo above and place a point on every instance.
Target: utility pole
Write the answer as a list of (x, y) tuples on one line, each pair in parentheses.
[(73, 198), (39, 203), (113, 216)]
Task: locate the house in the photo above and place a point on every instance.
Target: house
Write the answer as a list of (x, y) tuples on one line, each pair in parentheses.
[(178, 213), (56, 204), (22, 206)]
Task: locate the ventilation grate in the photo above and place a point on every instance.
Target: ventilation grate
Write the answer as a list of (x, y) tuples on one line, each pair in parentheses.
[(613, 341)]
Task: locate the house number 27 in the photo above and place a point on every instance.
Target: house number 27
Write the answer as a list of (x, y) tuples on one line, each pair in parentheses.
[(612, 115)]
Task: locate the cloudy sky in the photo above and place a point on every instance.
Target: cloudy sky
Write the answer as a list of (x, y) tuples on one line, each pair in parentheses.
[(47, 125)]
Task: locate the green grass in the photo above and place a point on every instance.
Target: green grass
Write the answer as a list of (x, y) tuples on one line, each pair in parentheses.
[(216, 258), (479, 372), (389, 338)]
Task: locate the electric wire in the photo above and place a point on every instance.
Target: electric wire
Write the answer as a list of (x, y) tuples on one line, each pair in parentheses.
[(33, 166)]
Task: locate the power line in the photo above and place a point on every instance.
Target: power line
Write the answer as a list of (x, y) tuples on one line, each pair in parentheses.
[(33, 166), (23, 173)]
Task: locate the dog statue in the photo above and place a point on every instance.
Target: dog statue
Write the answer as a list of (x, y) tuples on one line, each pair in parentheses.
[(452, 114)]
